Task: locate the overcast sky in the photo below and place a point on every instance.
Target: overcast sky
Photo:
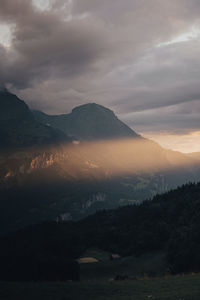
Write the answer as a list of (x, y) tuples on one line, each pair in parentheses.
[(140, 58)]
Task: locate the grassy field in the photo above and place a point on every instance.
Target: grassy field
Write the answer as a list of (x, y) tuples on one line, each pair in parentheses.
[(166, 288), (97, 282), (105, 269)]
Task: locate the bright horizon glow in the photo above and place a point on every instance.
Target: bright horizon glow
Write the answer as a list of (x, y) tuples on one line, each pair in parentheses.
[(185, 143)]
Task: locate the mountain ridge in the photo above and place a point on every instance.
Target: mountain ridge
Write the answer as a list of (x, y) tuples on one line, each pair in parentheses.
[(89, 121), (18, 127)]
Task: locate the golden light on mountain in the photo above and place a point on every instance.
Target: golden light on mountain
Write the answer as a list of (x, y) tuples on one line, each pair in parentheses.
[(104, 159)]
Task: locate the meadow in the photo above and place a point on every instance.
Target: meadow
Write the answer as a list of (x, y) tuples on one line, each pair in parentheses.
[(165, 288)]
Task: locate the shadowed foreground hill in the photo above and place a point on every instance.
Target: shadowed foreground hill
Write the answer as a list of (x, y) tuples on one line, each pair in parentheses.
[(169, 223)]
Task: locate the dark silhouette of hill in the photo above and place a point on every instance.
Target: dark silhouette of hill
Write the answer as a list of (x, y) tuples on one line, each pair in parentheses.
[(88, 122), (18, 127)]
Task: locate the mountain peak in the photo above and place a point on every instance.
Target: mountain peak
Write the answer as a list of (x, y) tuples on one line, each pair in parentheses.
[(90, 121), (92, 108)]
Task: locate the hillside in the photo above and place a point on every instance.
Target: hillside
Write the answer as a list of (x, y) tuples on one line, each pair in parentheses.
[(88, 122), (168, 224), (18, 127)]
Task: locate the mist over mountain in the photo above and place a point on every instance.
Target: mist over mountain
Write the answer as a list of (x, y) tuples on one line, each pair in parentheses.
[(88, 122)]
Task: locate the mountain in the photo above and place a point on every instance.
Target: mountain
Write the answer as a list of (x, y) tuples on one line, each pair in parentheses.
[(88, 122), (18, 127)]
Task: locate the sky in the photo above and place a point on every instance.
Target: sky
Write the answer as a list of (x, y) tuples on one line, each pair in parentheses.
[(139, 58)]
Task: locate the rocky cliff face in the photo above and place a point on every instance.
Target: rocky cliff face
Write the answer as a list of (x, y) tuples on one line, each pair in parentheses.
[(18, 166)]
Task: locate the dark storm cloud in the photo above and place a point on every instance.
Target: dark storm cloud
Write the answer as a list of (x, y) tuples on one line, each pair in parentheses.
[(44, 45), (109, 52)]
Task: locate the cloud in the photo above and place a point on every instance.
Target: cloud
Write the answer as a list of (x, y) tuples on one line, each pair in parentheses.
[(180, 118), (44, 45)]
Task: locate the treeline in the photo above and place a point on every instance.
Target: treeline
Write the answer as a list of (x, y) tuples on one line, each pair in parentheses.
[(170, 223)]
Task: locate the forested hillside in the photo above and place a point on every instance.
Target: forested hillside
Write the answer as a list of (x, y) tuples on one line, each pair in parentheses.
[(169, 223)]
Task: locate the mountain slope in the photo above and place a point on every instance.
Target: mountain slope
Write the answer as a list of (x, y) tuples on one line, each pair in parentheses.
[(12, 108), (89, 122), (18, 126)]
